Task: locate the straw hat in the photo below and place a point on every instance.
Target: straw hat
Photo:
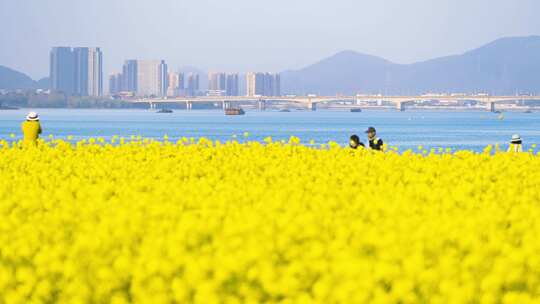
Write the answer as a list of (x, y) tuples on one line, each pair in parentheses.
[(516, 138), (32, 116)]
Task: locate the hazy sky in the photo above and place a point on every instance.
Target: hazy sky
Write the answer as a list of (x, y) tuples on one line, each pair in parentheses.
[(241, 35)]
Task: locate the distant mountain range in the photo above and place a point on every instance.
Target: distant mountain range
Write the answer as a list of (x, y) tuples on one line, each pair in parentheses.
[(505, 66), (11, 79)]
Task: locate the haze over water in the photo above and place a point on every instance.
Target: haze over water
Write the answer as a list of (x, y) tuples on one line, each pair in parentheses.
[(455, 129)]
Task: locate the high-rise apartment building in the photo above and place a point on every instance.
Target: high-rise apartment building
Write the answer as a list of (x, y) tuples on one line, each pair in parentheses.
[(268, 85), (232, 85), (181, 82), (62, 70), (95, 72), (152, 78), (164, 78), (81, 55), (129, 76), (175, 85), (88, 71), (115, 83), (276, 88), (192, 84), (264, 84), (77, 71), (251, 83), (222, 84), (217, 81)]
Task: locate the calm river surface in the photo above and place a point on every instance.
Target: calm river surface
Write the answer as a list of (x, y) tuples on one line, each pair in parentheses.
[(453, 129)]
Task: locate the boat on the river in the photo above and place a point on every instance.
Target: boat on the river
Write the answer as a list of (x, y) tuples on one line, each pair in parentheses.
[(234, 111), (164, 111), (356, 110)]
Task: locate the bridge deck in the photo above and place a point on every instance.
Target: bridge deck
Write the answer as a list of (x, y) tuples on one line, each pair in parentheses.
[(315, 99)]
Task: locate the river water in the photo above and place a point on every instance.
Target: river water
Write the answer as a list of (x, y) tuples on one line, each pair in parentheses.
[(447, 129)]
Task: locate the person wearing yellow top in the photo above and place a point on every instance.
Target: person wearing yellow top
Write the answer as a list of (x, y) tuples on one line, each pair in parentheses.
[(31, 128)]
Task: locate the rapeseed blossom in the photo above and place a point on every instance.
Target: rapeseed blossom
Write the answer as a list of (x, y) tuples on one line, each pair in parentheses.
[(197, 221)]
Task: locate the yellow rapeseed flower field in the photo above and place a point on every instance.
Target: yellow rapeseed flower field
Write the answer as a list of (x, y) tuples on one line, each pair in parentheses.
[(207, 222)]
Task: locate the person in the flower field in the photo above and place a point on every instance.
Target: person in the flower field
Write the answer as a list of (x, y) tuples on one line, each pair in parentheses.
[(354, 142), (374, 142), (31, 128), (515, 144)]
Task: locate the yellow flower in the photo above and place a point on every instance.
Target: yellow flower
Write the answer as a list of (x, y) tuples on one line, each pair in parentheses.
[(144, 221)]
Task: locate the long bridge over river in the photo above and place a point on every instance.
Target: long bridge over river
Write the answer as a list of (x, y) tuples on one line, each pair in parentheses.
[(310, 102)]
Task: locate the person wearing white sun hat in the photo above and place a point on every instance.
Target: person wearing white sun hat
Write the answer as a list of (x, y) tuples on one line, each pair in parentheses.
[(515, 144), (31, 128)]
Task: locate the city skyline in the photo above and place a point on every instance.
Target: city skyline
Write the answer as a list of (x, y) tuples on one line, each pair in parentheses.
[(154, 78), (514, 59), (291, 36)]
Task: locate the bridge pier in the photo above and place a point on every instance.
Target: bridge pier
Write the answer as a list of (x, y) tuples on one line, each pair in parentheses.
[(189, 105), (490, 106), (312, 106), (261, 104), (226, 105), (400, 106), (152, 106)]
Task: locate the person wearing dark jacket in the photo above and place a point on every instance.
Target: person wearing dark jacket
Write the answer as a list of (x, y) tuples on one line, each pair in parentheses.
[(375, 143)]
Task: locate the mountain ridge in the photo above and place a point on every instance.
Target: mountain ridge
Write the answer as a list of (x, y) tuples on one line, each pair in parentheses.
[(11, 79), (505, 65)]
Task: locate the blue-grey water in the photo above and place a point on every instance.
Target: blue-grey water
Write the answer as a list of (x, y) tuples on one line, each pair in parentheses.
[(447, 129)]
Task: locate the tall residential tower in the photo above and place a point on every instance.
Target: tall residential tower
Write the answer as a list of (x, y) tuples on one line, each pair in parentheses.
[(264, 84), (129, 76), (115, 83), (152, 78), (217, 81), (232, 85), (192, 84), (62, 70), (77, 71), (176, 84)]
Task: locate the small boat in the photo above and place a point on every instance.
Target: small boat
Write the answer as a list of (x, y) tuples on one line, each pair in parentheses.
[(164, 111), (528, 111), (234, 111), (356, 110), (497, 112), (284, 110)]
